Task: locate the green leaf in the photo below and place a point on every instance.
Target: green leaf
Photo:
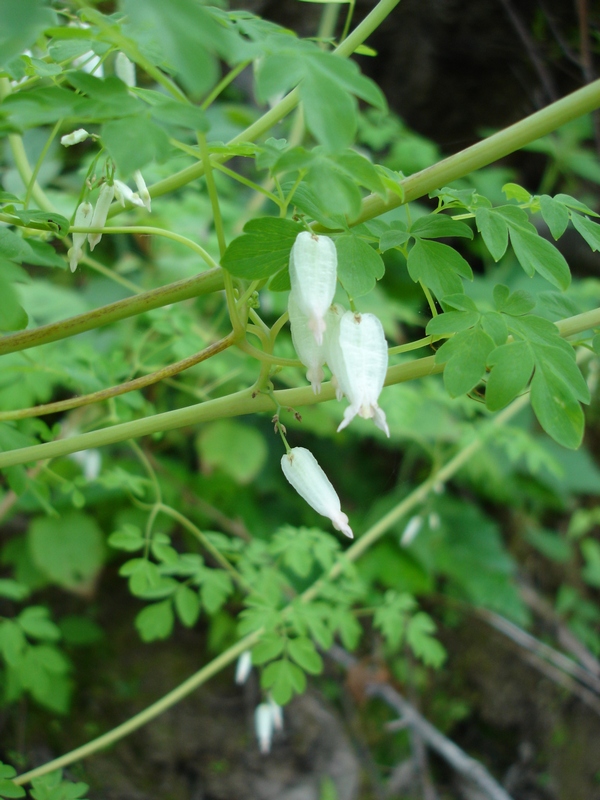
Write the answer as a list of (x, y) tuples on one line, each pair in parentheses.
[(335, 188), (283, 679), (69, 550), (495, 326), (188, 35), (134, 142), (174, 112), (538, 255), (512, 365), (12, 315), (589, 230), (13, 590), (391, 617), (550, 544), (34, 621), (216, 588), (22, 22), (555, 215), (187, 605), (422, 643), (129, 538), (12, 641), (439, 266), (44, 220), (236, 448), (10, 789), (515, 192), (493, 230), (591, 571), (155, 621), (515, 304), (331, 113), (556, 408), (437, 226), (576, 205), (270, 646), (466, 355), (263, 249), (452, 322), (359, 265), (303, 651)]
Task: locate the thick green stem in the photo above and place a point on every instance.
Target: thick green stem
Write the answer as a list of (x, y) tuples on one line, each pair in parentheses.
[(204, 283), (233, 405), (485, 152)]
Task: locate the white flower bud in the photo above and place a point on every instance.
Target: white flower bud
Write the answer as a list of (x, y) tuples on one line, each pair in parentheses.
[(82, 218), (263, 725), (358, 359), (124, 193), (313, 275), (276, 714), (80, 135), (311, 354), (413, 526), (105, 198), (90, 462), (142, 189), (125, 69), (243, 667), (301, 469)]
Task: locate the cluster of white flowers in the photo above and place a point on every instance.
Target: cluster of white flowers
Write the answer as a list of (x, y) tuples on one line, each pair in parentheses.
[(352, 345), (268, 716), (88, 216)]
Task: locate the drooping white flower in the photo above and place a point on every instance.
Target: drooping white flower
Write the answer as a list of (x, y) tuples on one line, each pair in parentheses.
[(125, 69), (302, 470), (82, 219), (142, 189), (263, 725), (313, 275), (124, 193), (69, 139), (311, 354), (90, 462), (413, 526), (105, 198), (277, 714), (358, 359), (243, 667)]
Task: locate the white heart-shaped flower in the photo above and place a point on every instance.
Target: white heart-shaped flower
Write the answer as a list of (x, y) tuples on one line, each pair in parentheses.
[(313, 275)]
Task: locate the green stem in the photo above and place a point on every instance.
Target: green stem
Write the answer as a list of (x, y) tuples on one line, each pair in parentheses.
[(206, 543), (204, 283), (224, 83), (479, 155), (147, 230), (352, 554), (237, 404), (148, 714), (32, 181)]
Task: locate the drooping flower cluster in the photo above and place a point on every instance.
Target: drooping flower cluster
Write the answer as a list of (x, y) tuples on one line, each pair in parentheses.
[(352, 345)]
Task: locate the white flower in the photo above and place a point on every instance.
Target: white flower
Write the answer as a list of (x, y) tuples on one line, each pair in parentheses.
[(358, 359), (125, 69), (243, 667), (82, 217), (263, 725), (301, 469), (90, 462), (105, 198), (142, 189), (413, 526), (80, 135), (313, 275), (276, 714), (124, 193), (311, 354)]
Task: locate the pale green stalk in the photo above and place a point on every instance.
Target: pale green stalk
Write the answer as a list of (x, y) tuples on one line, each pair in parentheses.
[(353, 553), (237, 404)]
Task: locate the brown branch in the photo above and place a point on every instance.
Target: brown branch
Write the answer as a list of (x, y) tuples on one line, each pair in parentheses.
[(121, 388), (446, 748)]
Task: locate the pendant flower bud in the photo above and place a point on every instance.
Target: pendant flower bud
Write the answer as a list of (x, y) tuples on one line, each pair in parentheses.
[(105, 198), (80, 135), (142, 189), (125, 69), (243, 667), (302, 470), (311, 354), (124, 193), (358, 358), (263, 725), (82, 219), (313, 275)]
